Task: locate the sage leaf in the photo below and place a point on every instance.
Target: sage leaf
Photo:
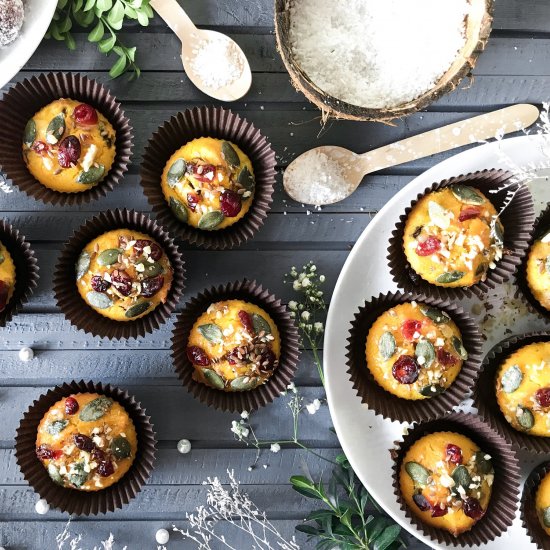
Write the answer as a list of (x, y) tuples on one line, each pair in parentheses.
[(212, 332), (386, 345), (78, 476)]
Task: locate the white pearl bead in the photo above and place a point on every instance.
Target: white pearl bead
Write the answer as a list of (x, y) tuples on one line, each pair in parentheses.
[(26, 354), (42, 507), (184, 446), (162, 536)]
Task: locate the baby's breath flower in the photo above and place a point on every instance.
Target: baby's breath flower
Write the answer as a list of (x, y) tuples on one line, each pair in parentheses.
[(296, 285), (292, 305), (318, 327), (314, 406), (244, 415), (239, 429), (322, 278), (305, 315), (275, 448), (291, 387), (305, 282)]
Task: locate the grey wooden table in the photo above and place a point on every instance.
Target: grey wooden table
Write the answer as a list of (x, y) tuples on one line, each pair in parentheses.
[(513, 69)]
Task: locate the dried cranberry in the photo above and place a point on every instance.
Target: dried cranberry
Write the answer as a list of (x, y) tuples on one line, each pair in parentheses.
[(422, 502), (151, 285), (68, 152), (268, 361), (4, 292), (99, 284), (197, 356), (453, 454), (204, 172), (438, 511), (83, 442), (446, 358), (543, 397), (122, 282), (44, 452), (230, 203), (410, 327), (472, 508), (98, 454), (405, 370), (105, 468), (192, 200), (428, 247), (40, 147), (85, 114), (246, 320), (156, 250), (71, 405), (233, 356), (469, 213)]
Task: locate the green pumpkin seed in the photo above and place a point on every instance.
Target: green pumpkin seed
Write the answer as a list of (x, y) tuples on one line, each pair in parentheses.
[(2, 258), (78, 475), (511, 379), (137, 309), (120, 447), (417, 473), (29, 135), (482, 464), (176, 172), (98, 300), (547, 264), (179, 210), (151, 269), (260, 324), (386, 345), (432, 391), (109, 256), (82, 265), (426, 350), (459, 348), (214, 379), (212, 332), (211, 220), (55, 428), (54, 474), (230, 155), (481, 269), (496, 230), (244, 383), (55, 129), (246, 180), (461, 477), (436, 315), (450, 277), (467, 194), (525, 418), (93, 175), (546, 516), (95, 409)]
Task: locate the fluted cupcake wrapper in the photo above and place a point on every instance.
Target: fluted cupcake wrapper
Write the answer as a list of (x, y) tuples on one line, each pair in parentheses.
[(83, 316), (71, 500), (21, 103), (529, 516), (517, 218), (503, 504), (383, 402), (251, 292), (219, 123), (485, 393), (26, 270)]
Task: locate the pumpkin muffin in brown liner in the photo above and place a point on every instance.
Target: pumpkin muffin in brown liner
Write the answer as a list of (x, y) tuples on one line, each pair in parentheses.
[(83, 316), (485, 393), (212, 122), (504, 499), (26, 270), (384, 403), (517, 219), (25, 99), (85, 503), (529, 517), (261, 395)]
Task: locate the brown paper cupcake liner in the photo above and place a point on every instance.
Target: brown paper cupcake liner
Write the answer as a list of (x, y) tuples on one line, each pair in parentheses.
[(83, 316), (529, 516), (250, 400), (71, 500), (217, 123), (485, 395), (517, 218), (383, 402), (26, 270), (505, 491), (25, 98)]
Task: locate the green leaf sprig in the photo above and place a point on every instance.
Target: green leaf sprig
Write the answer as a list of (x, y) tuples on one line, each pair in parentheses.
[(105, 18)]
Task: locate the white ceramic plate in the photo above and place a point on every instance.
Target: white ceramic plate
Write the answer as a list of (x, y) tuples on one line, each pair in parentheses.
[(38, 14), (366, 438)]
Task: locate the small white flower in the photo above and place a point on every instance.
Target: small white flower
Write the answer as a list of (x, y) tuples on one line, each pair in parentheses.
[(275, 448), (244, 415), (318, 327), (306, 282), (305, 315), (322, 278), (314, 406), (296, 285), (292, 387), (292, 305)]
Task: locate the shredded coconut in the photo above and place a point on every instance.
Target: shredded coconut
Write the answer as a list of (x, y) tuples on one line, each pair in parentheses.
[(377, 53), (11, 20)]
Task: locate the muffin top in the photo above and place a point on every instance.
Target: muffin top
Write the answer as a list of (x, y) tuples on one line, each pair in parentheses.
[(86, 441), (414, 351), (446, 481), (7, 277), (69, 146), (234, 346), (523, 389), (453, 237), (123, 274), (538, 270), (209, 183), (542, 503)]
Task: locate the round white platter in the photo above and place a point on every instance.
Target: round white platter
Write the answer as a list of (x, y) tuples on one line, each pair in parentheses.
[(38, 15), (365, 438)]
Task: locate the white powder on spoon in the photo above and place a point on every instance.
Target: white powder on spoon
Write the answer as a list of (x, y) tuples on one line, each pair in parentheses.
[(376, 53)]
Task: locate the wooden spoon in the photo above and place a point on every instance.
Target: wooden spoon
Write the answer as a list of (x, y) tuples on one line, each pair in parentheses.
[(340, 171), (192, 39)]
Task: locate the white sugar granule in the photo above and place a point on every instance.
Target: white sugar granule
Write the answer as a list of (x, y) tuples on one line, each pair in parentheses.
[(377, 53)]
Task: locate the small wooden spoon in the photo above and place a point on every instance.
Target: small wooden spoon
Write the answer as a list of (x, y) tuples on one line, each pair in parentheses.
[(340, 171), (192, 38)]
